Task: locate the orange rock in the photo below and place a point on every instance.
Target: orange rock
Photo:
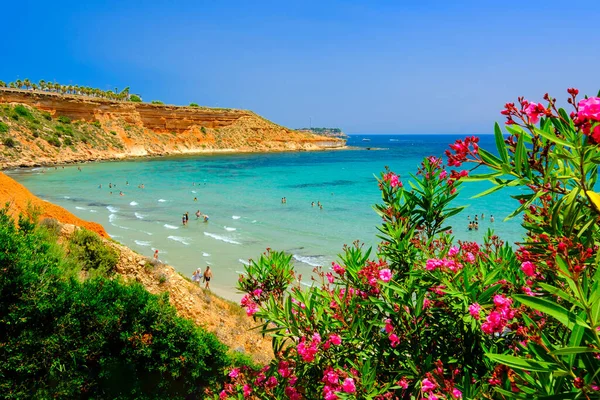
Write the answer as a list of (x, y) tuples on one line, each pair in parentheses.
[(21, 200)]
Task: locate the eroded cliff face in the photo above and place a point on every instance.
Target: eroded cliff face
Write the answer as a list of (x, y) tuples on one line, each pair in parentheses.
[(103, 129)]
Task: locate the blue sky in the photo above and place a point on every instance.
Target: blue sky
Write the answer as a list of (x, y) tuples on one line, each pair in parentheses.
[(365, 66)]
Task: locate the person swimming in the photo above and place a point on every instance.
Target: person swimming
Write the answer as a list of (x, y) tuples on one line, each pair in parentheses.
[(312, 204), (121, 194), (198, 214), (205, 218), (470, 226), (491, 218)]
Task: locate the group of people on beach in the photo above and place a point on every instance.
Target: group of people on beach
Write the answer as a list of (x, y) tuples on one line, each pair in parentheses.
[(474, 225), (198, 275)]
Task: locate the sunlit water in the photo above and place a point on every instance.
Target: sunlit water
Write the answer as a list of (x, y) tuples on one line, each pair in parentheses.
[(242, 194)]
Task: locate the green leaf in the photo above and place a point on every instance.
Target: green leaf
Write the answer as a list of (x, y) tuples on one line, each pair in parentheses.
[(489, 158), (553, 138), (563, 315), (500, 143), (488, 191), (573, 350), (520, 153), (522, 364)]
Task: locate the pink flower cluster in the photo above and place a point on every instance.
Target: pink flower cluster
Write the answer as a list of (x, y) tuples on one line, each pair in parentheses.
[(308, 348), (443, 264), (331, 379), (436, 387), (497, 320), (528, 268), (588, 117), (392, 179), (389, 329), (249, 304), (462, 149)]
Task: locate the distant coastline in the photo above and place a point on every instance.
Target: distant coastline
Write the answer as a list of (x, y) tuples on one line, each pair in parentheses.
[(46, 128)]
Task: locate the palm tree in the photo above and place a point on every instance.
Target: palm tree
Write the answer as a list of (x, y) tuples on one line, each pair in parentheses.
[(42, 84), (12, 85), (2, 84), (34, 86), (19, 83), (27, 83)]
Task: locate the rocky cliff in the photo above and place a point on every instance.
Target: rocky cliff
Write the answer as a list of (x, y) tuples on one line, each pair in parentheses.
[(38, 128)]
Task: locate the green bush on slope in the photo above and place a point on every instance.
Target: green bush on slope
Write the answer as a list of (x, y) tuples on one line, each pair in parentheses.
[(100, 338)]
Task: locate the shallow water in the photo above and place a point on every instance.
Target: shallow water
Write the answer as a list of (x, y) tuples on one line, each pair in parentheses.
[(242, 196)]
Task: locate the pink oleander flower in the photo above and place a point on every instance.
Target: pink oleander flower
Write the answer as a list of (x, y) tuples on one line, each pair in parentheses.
[(388, 326), (453, 251), (335, 339), (501, 301), (271, 382), (348, 386), (330, 277), (223, 395), (394, 340), (234, 373), (589, 109), (257, 292), (433, 397), (533, 111), (443, 174), (474, 310), (331, 377), (494, 323), (427, 385), (470, 257), (528, 268), (394, 181), (247, 390), (456, 393), (251, 309), (403, 383), (385, 275), (338, 269)]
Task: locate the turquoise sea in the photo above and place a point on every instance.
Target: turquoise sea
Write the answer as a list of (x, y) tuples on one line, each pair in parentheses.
[(242, 194)]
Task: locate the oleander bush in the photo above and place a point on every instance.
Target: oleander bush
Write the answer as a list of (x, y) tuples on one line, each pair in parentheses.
[(61, 337), (426, 316)]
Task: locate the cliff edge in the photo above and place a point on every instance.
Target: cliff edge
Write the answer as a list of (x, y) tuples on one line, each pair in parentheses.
[(42, 128)]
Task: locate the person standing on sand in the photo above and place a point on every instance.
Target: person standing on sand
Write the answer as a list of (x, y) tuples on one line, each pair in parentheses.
[(155, 257), (183, 220), (187, 217), (207, 276)]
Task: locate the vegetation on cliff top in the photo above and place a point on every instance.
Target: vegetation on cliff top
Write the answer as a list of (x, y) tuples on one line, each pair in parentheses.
[(54, 87)]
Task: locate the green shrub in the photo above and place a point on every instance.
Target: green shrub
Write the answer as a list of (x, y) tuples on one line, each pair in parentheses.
[(9, 142), (157, 102), (3, 127), (46, 115), (54, 141), (97, 339), (113, 133), (135, 98), (23, 111), (68, 142), (93, 255), (64, 119), (194, 105), (96, 124), (203, 129), (35, 133)]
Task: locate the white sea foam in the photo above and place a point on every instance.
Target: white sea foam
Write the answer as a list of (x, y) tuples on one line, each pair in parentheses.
[(93, 211), (205, 254), (133, 203), (170, 226), (193, 191), (111, 218), (66, 197), (112, 209), (312, 261), (180, 239), (142, 243), (254, 221), (221, 238), (245, 262), (80, 208), (114, 236), (147, 233), (139, 216), (227, 228), (236, 217), (161, 200)]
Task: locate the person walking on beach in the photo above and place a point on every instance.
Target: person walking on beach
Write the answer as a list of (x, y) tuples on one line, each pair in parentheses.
[(183, 220), (155, 257), (207, 276)]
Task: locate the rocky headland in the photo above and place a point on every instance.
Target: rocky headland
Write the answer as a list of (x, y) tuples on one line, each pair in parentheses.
[(44, 128)]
